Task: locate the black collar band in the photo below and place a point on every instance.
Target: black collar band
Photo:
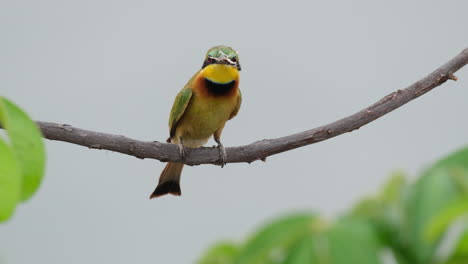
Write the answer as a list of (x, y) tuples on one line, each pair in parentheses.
[(219, 89)]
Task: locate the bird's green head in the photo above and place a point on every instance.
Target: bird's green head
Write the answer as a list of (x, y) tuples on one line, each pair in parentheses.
[(222, 55)]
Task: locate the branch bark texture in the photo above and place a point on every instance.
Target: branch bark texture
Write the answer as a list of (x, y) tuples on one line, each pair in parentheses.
[(261, 149)]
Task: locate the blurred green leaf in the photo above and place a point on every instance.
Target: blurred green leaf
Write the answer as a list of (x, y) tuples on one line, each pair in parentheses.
[(393, 189), (368, 207), (302, 252), (462, 245), (350, 241), (436, 190), (441, 222), (304, 239), (27, 145), (456, 159), (221, 253), (459, 176), (385, 211), (460, 254), (401, 217), (271, 243), (379, 206), (10, 182)]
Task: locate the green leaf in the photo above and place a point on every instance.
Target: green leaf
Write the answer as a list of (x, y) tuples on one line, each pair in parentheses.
[(27, 145), (385, 211), (271, 243), (302, 252), (387, 203), (350, 241), (393, 188), (462, 245), (437, 189), (221, 253), (457, 159), (460, 254), (10, 182), (441, 222)]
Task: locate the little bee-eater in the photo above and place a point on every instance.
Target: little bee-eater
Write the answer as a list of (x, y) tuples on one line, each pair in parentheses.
[(201, 109)]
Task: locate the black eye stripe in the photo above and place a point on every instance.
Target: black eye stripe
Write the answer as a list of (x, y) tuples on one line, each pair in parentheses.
[(212, 60)]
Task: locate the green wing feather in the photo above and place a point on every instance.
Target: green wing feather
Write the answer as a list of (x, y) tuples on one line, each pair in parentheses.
[(236, 110), (181, 102)]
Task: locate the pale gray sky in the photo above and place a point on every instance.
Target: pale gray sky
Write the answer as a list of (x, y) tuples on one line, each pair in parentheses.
[(116, 66)]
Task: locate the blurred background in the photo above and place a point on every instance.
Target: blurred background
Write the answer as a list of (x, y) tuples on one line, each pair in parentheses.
[(116, 66)]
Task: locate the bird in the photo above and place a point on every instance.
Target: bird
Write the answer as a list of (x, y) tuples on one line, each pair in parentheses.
[(200, 110)]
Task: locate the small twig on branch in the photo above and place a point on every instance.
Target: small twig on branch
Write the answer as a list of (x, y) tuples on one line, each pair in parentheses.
[(260, 149)]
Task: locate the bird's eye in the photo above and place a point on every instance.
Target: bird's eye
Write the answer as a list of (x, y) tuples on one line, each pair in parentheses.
[(234, 59)]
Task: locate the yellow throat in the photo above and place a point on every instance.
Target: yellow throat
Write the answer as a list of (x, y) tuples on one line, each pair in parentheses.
[(220, 73)]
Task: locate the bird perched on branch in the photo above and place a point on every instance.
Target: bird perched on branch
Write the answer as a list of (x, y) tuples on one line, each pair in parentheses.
[(200, 110)]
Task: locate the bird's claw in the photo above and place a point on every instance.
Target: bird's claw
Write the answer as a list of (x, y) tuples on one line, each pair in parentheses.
[(222, 154), (182, 151)]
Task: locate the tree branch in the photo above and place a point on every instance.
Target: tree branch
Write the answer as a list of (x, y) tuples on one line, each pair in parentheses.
[(260, 149)]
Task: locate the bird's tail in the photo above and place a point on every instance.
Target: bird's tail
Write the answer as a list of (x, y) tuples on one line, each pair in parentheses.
[(169, 180)]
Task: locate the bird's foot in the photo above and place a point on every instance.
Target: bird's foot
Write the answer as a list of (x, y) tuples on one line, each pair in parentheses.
[(222, 154), (182, 151)]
